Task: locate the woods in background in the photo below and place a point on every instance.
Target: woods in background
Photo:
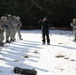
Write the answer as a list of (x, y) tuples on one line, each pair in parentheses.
[(59, 12)]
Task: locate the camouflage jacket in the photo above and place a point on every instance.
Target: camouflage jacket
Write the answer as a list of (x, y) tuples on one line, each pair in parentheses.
[(19, 24)]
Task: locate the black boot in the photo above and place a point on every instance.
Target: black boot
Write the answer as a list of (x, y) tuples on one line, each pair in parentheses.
[(7, 41), (43, 41), (21, 39), (1, 44), (12, 40), (48, 41)]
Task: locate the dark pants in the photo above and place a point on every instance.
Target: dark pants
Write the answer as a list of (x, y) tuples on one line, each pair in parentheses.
[(45, 36)]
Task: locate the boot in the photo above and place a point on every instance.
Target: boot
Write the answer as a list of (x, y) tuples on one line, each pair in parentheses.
[(7, 41), (2, 44), (12, 40), (21, 39)]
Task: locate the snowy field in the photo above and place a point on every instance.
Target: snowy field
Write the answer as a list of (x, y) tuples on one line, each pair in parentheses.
[(58, 58)]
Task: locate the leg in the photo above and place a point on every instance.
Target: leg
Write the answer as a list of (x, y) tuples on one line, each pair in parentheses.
[(48, 40), (19, 34), (43, 37), (11, 33), (15, 30), (1, 38), (75, 34), (7, 35)]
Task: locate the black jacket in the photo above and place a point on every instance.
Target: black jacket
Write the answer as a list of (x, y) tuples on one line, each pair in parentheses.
[(45, 26)]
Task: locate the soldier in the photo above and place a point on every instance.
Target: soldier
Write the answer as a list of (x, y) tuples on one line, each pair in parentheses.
[(9, 29), (74, 27), (3, 26), (14, 26), (1, 34), (45, 30), (19, 24)]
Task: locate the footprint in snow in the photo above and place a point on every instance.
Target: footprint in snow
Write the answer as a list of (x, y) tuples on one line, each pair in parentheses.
[(16, 60), (25, 56)]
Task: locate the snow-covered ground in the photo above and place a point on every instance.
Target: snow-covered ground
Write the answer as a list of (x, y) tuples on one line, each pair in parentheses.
[(58, 58)]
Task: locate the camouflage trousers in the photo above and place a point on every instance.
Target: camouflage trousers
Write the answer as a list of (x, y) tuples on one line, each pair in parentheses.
[(75, 34), (1, 36)]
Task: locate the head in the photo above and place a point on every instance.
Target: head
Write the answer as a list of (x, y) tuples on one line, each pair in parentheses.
[(4, 18), (9, 16), (14, 17), (74, 20), (44, 19), (18, 18)]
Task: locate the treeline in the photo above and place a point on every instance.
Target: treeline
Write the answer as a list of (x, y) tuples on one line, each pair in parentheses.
[(59, 12)]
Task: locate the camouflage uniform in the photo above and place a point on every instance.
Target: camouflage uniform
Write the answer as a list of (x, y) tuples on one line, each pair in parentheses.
[(74, 27), (14, 25), (3, 26), (19, 24), (9, 29), (1, 34)]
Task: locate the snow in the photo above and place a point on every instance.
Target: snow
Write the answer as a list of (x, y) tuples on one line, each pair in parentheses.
[(58, 58)]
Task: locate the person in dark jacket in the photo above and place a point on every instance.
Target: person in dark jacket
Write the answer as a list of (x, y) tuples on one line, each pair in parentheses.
[(45, 30)]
